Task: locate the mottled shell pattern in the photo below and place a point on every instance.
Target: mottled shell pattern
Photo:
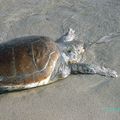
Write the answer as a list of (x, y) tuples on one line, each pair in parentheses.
[(28, 63)]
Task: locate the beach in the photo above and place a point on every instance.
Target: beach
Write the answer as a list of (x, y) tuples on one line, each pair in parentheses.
[(78, 97)]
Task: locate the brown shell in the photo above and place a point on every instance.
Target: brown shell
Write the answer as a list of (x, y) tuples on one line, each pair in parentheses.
[(27, 60)]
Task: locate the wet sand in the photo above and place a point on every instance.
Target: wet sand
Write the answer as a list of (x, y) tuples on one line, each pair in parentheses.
[(81, 97)]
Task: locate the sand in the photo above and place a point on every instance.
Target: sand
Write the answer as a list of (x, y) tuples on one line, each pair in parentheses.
[(79, 97)]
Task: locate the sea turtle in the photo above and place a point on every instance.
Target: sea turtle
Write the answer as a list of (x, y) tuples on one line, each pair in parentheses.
[(37, 60)]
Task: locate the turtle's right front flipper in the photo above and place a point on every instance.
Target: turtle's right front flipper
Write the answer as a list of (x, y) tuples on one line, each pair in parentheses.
[(92, 69)]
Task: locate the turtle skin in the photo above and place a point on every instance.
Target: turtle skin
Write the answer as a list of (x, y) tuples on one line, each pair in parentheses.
[(28, 63)]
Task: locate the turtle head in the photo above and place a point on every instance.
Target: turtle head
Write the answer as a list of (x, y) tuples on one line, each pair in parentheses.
[(71, 48), (74, 51)]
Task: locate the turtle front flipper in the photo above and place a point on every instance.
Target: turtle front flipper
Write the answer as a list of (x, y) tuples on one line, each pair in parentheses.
[(92, 69), (69, 36)]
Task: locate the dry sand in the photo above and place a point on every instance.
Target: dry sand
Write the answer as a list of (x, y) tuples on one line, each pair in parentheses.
[(80, 97)]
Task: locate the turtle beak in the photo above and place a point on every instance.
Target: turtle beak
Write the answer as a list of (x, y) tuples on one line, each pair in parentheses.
[(82, 50)]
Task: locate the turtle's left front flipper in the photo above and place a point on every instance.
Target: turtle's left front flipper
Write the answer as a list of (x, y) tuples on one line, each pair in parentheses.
[(92, 69)]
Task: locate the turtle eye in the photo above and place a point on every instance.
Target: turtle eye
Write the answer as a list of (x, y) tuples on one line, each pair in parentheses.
[(69, 51), (79, 51)]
